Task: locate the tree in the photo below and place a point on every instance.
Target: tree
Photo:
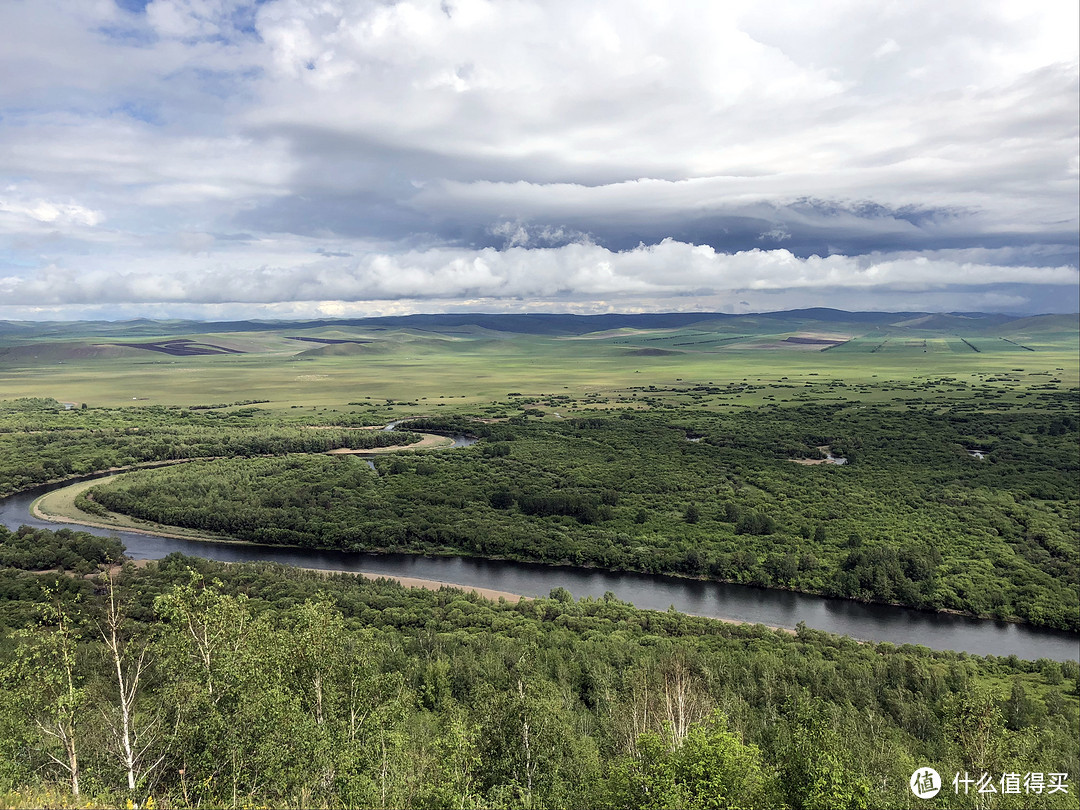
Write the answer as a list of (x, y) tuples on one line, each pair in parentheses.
[(717, 770), (132, 741), (51, 689), (756, 523), (710, 768), (209, 626), (683, 698), (501, 498), (815, 773), (975, 727), (560, 594), (1019, 708)]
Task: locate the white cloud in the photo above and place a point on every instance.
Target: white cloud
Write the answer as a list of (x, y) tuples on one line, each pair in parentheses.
[(575, 271), (889, 46), (51, 212), (139, 141), (190, 18)]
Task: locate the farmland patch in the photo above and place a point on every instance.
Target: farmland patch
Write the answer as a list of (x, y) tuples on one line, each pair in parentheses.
[(181, 347)]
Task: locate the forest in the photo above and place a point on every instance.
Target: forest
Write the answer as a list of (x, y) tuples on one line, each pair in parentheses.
[(193, 683), (41, 441), (190, 683), (912, 518)]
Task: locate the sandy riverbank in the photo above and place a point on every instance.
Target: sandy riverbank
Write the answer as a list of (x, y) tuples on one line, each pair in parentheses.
[(427, 584), (429, 441), (59, 506)]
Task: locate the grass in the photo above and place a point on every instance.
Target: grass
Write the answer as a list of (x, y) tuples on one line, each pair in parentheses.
[(1035, 685), (470, 368), (59, 505)]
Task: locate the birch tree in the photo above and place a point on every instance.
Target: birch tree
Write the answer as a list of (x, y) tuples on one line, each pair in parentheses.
[(51, 690), (132, 741)]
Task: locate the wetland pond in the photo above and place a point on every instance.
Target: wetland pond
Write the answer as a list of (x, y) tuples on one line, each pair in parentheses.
[(740, 603)]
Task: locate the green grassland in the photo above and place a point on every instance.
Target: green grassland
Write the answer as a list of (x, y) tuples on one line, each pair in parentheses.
[(661, 447), (908, 396), (471, 366)]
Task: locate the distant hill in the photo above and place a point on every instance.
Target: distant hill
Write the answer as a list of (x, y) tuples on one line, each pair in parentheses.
[(1043, 323), (827, 315), (62, 351), (552, 324), (345, 350), (953, 322)]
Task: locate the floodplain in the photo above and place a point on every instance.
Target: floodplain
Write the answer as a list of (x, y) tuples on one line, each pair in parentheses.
[(631, 445)]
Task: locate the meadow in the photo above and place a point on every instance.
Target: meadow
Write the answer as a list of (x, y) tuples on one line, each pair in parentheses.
[(458, 367), (657, 444), (906, 402)]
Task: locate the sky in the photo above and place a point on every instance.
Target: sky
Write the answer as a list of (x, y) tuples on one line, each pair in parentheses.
[(221, 159)]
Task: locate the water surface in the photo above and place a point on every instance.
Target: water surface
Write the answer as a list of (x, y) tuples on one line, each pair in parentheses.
[(743, 603)]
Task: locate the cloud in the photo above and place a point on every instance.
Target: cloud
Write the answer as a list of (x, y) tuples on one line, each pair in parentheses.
[(464, 147), (197, 19), (48, 212), (886, 48), (522, 234), (777, 233), (574, 271)]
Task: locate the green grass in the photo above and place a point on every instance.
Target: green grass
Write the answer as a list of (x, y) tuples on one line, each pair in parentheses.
[(60, 505), (473, 367)]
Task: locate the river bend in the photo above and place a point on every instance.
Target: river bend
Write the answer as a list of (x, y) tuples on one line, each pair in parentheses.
[(718, 600)]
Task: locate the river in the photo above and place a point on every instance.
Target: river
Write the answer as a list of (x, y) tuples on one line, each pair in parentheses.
[(742, 603)]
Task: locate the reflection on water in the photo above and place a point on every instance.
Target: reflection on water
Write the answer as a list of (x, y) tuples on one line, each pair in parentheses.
[(713, 599)]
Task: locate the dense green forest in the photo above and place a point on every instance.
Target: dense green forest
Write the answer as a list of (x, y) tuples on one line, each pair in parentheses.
[(911, 518), (41, 441), (257, 685), (192, 683)]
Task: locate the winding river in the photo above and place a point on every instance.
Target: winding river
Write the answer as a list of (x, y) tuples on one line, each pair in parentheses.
[(740, 603)]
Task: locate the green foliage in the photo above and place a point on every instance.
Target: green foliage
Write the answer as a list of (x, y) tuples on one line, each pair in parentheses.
[(38, 549), (819, 772), (41, 441), (711, 769), (916, 522), (285, 688)]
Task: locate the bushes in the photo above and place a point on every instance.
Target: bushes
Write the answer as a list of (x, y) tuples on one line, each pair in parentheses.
[(366, 693), (612, 491), (39, 549)]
